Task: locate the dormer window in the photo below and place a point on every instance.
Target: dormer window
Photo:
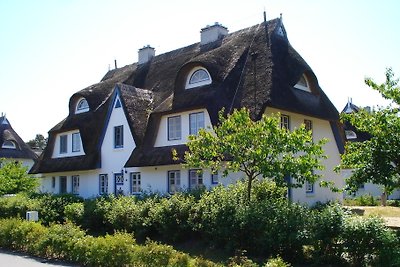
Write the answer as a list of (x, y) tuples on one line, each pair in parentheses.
[(8, 144), (303, 84), (82, 106), (350, 134), (198, 77)]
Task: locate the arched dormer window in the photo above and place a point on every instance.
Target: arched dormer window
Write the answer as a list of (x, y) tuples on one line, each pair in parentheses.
[(8, 144), (303, 84), (82, 106), (198, 77), (350, 134)]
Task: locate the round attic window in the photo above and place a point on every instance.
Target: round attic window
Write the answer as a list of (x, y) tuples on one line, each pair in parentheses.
[(303, 84), (198, 77), (8, 144), (82, 106)]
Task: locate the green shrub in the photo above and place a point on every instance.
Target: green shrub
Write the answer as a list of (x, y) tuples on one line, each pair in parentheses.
[(153, 254), (367, 241), (17, 205), (170, 216), (74, 212), (363, 200), (52, 206), (393, 202), (276, 262)]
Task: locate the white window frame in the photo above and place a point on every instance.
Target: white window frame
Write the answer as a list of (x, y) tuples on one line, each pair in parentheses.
[(76, 142), (196, 178), (174, 176), (174, 128), (103, 184), (75, 184), (63, 144), (192, 84), (82, 106), (136, 182), (285, 121), (196, 122), (8, 144), (309, 187), (119, 136)]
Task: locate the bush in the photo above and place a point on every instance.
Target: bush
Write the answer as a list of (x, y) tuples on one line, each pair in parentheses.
[(74, 213), (363, 200), (17, 205), (169, 217), (367, 241), (276, 262)]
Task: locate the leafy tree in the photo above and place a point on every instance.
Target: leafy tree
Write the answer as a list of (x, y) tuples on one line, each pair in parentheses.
[(376, 160), (14, 178), (257, 148), (39, 142)]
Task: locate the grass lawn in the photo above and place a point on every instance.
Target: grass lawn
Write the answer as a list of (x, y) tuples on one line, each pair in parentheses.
[(390, 214)]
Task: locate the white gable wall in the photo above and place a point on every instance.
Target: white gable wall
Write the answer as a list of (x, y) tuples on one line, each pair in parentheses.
[(321, 129), (162, 135)]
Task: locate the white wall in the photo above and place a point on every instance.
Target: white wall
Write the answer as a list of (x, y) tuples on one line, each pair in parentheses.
[(56, 148), (321, 129), (162, 135)]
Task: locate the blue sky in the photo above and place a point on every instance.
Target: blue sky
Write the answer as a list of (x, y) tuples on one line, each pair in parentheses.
[(49, 49)]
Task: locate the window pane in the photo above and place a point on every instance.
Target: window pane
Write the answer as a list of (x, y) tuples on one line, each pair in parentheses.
[(75, 184), (174, 128), (76, 142), (196, 121), (63, 144), (199, 76), (118, 136), (103, 180)]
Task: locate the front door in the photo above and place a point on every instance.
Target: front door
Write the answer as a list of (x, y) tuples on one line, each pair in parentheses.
[(119, 184)]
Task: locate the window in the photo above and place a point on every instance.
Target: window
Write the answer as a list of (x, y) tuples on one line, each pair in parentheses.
[(103, 184), (9, 144), (302, 84), (75, 184), (63, 184), (308, 125), (198, 77), (135, 183), (76, 142), (285, 122), (174, 128), (174, 181), (214, 178), (53, 182), (350, 134), (82, 106), (119, 183), (195, 178), (63, 144), (196, 122), (119, 136), (309, 187)]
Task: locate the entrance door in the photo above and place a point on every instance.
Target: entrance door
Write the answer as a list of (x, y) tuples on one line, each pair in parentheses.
[(119, 184)]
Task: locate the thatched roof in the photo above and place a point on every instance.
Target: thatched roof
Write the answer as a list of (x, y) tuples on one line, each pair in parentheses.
[(21, 151), (255, 68)]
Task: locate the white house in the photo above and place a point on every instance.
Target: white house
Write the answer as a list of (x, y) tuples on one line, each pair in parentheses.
[(12, 147), (119, 132)]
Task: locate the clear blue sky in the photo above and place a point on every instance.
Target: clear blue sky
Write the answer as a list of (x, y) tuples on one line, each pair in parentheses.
[(50, 49)]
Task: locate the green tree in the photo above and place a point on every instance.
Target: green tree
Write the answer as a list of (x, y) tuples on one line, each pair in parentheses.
[(376, 160), (14, 178), (39, 142), (258, 149)]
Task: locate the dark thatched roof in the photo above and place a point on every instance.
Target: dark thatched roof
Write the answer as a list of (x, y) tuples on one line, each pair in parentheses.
[(347, 126), (255, 68), (21, 151)]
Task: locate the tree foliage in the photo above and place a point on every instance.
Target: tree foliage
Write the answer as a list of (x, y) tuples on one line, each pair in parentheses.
[(39, 142), (14, 178), (258, 149), (376, 160)]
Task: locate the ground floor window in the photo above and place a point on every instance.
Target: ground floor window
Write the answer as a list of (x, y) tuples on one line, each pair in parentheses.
[(75, 184), (196, 178), (63, 184), (53, 182), (135, 183), (309, 187), (103, 182), (174, 181), (214, 178)]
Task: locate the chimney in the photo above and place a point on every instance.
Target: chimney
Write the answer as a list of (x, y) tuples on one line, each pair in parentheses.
[(145, 54), (212, 33)]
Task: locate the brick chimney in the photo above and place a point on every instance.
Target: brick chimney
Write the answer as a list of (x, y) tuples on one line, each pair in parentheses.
[(212, 33), (145, 54)]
